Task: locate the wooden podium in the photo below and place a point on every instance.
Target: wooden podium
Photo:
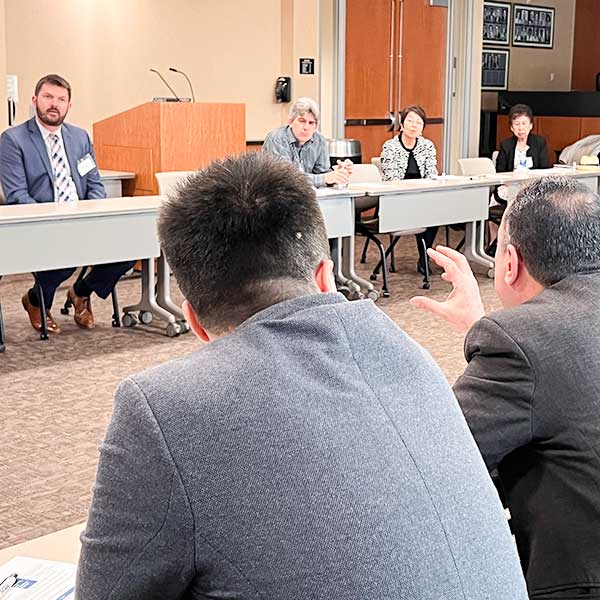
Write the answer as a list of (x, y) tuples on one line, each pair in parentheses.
[(167, 136)]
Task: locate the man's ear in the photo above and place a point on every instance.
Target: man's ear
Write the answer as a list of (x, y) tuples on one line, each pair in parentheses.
[(192, 318), (514, 265), (324, 276)]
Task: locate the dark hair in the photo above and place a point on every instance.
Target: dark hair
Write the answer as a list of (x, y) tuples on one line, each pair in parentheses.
[(53, 79), (554, 222), (418, 110), (520, 110), (243, 234)]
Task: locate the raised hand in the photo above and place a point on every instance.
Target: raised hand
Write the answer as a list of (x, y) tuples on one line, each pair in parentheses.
[(463, 306)]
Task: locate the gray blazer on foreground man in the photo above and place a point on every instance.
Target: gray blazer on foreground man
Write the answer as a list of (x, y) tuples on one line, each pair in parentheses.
[(310, 451), (531, 391)]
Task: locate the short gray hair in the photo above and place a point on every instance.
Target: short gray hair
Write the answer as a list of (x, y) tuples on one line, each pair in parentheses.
[(304, 105), (554, 222)]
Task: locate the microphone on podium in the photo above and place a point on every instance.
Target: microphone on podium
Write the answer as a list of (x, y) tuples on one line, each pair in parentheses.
[(188, 80), (177, 98)]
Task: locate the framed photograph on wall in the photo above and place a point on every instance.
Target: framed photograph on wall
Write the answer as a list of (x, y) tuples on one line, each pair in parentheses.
[(533, 26), (494, 69), (496, 23)]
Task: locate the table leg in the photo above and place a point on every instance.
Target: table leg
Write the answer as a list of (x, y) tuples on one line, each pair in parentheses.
[(348, 268), (2, 344), (340, 277), (163, 296), (474, 245), (147, 306)]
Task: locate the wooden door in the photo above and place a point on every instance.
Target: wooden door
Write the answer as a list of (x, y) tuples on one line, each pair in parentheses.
[(370, 64), (395, 56)]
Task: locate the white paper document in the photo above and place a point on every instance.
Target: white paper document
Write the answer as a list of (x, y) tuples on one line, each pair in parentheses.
[(39, 579)]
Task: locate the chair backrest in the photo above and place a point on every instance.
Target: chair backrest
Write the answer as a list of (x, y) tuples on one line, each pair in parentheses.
[(476, 166), (376, 160), (365, 173), (168, 180), (495, 158)]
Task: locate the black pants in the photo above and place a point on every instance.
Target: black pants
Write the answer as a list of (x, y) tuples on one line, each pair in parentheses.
[(428, 236), (101, 279)]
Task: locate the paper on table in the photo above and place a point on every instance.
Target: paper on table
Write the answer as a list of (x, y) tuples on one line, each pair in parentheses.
[(445, 177), (39, 579)]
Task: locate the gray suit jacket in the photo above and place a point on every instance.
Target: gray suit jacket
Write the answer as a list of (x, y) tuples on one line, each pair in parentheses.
[(531, 396), (25, 170), (315, 453)]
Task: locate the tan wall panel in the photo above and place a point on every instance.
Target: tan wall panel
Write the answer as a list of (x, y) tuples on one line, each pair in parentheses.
[(532, 68), (232, 53), (3, 113), (586, 50)]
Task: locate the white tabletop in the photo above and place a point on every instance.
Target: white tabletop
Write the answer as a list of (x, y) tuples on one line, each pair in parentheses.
[(410, 186), (43, 211), (108, 174)]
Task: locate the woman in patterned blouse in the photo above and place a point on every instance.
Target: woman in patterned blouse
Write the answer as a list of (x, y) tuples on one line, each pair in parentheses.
[(411, 156)]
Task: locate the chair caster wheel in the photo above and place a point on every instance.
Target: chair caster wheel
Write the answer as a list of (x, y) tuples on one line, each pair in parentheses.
[(116, 323), (385, 293), (426, 286), (345, 291), (173, 329), (43, 336), (491, 273), (373, 277), (185, 326), (363, 261), (373, 295), (129, 320), (145, 317)]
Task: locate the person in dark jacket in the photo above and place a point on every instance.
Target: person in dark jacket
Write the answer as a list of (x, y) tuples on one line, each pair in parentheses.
[(522, 150)]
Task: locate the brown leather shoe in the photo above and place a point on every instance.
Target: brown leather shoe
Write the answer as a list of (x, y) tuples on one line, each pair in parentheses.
[(35, 316), (82, 306)]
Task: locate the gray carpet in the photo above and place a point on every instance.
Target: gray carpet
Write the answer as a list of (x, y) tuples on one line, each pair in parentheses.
[(57, 395)]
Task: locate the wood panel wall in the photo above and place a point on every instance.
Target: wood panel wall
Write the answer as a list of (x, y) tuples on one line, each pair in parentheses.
[(395, 56), (586, 50)]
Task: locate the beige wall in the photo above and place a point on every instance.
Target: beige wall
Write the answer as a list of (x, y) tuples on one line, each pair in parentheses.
[(539, 69), (534, 68), (3, 112), (231, 50)]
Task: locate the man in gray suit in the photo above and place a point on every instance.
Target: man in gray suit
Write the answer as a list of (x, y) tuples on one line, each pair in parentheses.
[(531, 391), (48, 160), (310, 451)]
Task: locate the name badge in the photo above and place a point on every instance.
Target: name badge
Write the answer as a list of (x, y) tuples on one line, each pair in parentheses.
[(85, 165), (529, 162)]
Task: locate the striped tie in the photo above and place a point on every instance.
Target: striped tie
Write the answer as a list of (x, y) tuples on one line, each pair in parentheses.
[(64, 188)]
